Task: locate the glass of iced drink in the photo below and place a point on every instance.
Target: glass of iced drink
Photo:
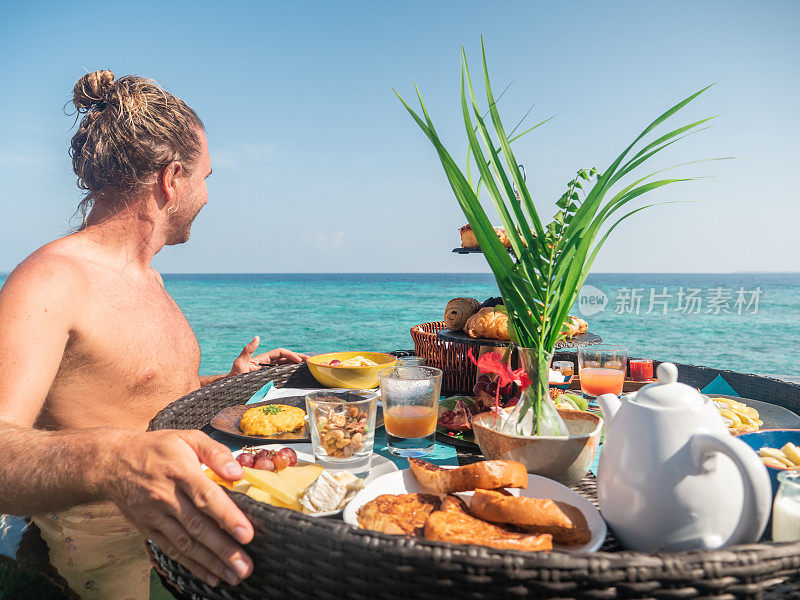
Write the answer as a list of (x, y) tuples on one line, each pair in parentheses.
[(602, 370), (410, 396)]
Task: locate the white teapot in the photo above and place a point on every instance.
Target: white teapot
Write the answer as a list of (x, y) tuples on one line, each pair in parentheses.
[(672, 478)]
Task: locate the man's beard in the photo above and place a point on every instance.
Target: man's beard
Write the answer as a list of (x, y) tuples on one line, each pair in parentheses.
[(181, 227)]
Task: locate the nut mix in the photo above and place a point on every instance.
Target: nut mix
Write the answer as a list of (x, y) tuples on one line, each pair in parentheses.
[(342, 430)]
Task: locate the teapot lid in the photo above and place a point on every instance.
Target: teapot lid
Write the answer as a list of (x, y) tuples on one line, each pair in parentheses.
[(668, 392)]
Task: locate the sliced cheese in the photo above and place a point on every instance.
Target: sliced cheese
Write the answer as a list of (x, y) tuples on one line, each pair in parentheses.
[(270, 482), (223, 482), (300, 477), (258, 494)]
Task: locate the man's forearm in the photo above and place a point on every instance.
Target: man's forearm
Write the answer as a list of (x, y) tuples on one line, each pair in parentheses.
[(43, 471)]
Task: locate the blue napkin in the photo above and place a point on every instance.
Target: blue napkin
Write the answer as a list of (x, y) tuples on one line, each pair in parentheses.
[(719, 386), (259, 395), (443, 454)]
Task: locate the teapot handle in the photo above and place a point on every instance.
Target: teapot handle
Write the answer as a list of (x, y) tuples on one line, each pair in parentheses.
[(757, 488)]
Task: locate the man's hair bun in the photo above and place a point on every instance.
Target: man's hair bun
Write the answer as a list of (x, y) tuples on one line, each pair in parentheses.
[(90, 90)]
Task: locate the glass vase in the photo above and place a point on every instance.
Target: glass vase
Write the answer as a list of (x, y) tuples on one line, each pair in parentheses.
[(535, 413)]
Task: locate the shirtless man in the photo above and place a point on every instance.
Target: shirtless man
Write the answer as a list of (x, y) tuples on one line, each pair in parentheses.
[(92, 347)]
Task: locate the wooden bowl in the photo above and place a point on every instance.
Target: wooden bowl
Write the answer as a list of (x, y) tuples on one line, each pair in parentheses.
[(564, 459)]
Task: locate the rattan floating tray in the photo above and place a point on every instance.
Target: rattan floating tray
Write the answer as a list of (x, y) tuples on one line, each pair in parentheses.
[(303, 557), (578, 341)]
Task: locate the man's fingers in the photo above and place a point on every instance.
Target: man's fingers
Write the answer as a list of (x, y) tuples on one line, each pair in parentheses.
[(213, 454), (209, 498), (183, 547), (164, 542), (216, 541), (247, 351)]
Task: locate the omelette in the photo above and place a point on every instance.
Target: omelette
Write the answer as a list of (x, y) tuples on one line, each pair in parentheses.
[(271, 419)]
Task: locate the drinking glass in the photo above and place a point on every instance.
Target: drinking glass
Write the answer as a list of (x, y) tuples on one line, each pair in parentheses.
[(342, 427), (641, 369), (786, 509), (410, 397), (602, 370), (565, 367), (410, 361)]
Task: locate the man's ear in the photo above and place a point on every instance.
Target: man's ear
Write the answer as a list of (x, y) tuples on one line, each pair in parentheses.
[(169, 180)]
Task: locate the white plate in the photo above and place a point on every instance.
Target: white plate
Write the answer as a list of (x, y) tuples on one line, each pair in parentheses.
[(404, 482), (379, 466)]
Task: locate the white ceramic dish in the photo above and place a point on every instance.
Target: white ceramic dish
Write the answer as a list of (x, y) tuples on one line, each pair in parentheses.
[(404, 482), (379, 466)]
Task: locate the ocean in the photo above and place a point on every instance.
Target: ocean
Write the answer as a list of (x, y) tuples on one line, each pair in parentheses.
[(745, 322)]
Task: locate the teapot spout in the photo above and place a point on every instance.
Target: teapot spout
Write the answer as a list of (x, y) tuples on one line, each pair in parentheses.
[(609, 404)]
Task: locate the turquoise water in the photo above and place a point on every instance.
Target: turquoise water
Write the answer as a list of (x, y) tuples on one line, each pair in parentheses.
[(328, 312), (319, 313)]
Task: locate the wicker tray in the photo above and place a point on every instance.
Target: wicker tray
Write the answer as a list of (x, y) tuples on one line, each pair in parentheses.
[(459, 337), (302, 557)]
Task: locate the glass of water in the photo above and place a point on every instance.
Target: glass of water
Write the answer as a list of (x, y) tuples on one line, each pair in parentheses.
[(410, 397)]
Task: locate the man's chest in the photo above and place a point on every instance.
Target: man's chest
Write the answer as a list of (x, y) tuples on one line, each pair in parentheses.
[(137, 336)]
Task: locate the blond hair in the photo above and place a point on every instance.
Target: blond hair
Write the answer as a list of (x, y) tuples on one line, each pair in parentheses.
[(132, 128)]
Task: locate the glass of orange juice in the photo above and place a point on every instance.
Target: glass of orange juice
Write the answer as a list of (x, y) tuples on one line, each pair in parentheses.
[(602, 370), (410, 396)]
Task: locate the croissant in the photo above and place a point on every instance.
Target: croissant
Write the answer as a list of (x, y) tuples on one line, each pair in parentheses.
[(457, 312), (574, 326), (488, 323), (468, 239)]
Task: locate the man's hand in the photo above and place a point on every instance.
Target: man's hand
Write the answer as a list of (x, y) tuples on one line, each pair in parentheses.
[(246, 362), (158, 483)]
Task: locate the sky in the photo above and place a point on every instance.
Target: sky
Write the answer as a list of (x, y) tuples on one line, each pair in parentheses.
[(318, 168)]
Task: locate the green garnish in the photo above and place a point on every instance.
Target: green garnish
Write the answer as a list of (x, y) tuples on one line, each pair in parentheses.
[(271, 410)]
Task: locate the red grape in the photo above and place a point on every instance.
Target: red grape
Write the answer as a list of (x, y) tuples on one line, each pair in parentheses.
[(291, 454), (264, 463), (263, 454), (281, 461), (491, 389), (245, 459)]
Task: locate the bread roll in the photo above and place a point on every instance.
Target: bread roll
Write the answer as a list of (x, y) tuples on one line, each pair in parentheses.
[(486, 474), (564, 522), (488, 323), (458, 311)]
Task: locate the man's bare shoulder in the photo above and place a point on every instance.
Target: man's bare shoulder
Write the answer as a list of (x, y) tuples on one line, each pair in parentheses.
[(54, 270)]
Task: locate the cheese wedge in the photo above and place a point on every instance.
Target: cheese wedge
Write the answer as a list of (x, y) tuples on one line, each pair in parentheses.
[(300, 478), (270, 482), (258, 494), (223, 482)]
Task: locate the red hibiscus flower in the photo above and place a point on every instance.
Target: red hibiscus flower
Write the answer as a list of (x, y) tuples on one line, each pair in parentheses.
[(492, 362)]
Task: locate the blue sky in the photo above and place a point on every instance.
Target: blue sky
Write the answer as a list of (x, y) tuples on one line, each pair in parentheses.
[(317, 167)]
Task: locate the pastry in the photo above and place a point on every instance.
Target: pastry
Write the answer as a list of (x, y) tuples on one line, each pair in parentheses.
[(486, 474), (564, 522), (403, 514), (488, 323), (468, 239), (457, 312), (458, 527)]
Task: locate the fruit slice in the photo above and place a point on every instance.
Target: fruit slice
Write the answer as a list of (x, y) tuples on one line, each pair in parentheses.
[(300, 477), (270, 482), (258, 494), (792, 452)]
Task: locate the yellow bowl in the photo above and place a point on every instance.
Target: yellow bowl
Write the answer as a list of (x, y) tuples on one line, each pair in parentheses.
[(355, 378)]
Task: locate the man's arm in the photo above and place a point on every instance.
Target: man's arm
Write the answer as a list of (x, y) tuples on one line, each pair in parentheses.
[(154, 478)]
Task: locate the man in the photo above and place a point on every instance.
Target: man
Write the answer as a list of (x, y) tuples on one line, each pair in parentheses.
[(92, 346)]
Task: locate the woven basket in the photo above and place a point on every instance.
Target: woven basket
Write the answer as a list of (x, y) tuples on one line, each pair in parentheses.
[(297, 556), (459, 373)]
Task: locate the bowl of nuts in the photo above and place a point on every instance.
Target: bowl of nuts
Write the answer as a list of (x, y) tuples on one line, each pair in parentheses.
[(342, 426)]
